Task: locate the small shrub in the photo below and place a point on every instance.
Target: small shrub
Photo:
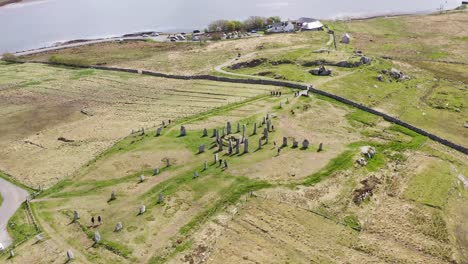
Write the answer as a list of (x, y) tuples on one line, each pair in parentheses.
[(8, 57)]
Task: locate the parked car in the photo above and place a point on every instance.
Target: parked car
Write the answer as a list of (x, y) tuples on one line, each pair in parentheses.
[(196, 31), (155, 34), (173, 39), (253, 31), (183, 33), (145, 36)]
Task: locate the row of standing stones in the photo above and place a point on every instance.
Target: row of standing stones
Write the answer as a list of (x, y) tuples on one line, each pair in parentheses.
[(220, 137)]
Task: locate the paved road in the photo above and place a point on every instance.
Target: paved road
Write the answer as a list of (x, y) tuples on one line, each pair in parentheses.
[(13, 196)]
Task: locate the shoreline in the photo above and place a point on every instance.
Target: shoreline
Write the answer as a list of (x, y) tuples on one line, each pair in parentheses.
[(139, 35), (7, 2)]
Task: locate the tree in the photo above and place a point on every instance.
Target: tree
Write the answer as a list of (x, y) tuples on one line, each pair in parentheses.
[(218, 25), (254, 23), (8, 57), (238, 25), (230, 26), (273, 19)]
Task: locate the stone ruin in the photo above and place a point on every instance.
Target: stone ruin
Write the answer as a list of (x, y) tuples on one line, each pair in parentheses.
[(142, 210), (97, 237), (201, 148), (295, 143), (321, 71), (394, 74), (228, 128), (367, 152), (76, 216), (183, 132), (305, 144), (70, 255), (118, 227)]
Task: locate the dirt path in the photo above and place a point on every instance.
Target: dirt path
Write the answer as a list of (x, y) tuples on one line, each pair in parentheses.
[(13, 197)]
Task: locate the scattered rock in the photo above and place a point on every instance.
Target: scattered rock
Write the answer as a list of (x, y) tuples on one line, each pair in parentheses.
[(248, 64)]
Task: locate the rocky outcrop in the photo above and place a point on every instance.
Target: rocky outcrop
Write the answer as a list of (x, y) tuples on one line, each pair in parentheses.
[(248, 64)]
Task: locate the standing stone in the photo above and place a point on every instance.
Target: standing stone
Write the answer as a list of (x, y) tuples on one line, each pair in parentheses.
[(160, 198), (259, 143), (264, 120), (269, 124), (295, 143), (320, 147), (142, 209), (142, 131), (118, 227), (238, 128), (246, 145), (70, 255), (217, 135), (244, 129), (97, 237), (12, 253), (163, 123), (305, 144), (228, 128), (205, 165), (156, 171), (183, 132), (201, 148), (225, 164), (285, 141), (215, 132), (281, 105), (168, 162), (76, 216), (220, 144), (237, 146), (255, 129), (230, 146), (195, 175), (223, 132), (216, 156), (268, 117), (158, 131), (113, 196), (142, 178), (205, 132)]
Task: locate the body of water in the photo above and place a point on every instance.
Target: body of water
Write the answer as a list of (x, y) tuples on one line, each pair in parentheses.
[(38, 23)]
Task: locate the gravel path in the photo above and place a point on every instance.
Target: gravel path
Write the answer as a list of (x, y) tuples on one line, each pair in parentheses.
[(13, 196)]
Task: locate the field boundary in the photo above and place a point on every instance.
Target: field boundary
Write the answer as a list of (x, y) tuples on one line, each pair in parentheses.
[(386, 117)]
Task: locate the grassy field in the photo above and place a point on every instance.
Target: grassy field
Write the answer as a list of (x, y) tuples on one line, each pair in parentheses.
[(92, 109), (261, 196), (273, 204)]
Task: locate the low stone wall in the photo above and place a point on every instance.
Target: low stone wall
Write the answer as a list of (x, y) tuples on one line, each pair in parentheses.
[(284, 84)]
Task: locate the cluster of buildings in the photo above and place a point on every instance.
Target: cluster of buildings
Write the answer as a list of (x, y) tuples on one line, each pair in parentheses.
[(301, 24)]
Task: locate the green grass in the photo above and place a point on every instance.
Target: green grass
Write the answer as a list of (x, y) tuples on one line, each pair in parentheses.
[(19, 226), (431, 187), (363, 117), (353, 222), (342, 162)]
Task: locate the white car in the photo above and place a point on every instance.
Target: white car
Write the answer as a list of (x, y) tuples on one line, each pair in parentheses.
[(1, 247)]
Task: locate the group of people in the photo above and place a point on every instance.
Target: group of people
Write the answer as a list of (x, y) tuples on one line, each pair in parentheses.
[(99, 220)]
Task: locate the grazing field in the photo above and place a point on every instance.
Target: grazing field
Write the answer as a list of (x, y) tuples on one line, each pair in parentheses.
[(297, 205), (304, 192), (60, 118)]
